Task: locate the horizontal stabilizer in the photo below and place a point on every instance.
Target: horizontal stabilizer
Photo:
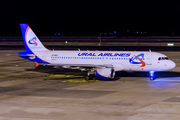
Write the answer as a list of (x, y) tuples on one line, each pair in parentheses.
[(25, 54)]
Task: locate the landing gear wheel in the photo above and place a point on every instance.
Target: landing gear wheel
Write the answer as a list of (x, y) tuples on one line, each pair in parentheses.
[(152, 78), (87, 77), (90, 77)]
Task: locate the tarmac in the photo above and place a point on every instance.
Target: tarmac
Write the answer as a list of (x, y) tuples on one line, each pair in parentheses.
[(45, 93)]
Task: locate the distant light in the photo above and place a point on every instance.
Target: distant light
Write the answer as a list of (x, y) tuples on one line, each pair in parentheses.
[(170, 44), (55, 34), (127, 30), (65, 41), (115, 32), (105, 33), (110, 33), (59, 34)]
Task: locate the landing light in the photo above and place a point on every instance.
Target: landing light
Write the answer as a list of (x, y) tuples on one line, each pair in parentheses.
[(151, 73), (170, 44)]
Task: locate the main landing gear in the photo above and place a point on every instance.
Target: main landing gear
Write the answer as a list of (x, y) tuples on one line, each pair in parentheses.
[(89, 75), (151, 74)]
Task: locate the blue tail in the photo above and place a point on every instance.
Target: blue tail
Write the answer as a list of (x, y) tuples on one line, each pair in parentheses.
[(24, 28), (31, 41), (34, 47)]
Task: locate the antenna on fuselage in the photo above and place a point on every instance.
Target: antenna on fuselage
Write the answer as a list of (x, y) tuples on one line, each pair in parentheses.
[(149, 50)]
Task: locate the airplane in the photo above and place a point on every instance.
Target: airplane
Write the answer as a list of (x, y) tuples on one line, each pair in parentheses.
[(102, 64)]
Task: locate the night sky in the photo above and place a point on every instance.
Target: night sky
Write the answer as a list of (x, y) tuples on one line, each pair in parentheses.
[(89, 17)]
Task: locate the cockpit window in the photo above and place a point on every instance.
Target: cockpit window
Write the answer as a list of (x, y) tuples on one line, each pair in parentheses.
[(163, 58), (166, 58)]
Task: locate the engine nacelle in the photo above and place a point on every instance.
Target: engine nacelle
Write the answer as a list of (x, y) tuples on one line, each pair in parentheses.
[(105, 73)]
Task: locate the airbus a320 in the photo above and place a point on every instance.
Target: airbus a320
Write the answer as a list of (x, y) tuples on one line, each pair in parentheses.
[(102, 64)]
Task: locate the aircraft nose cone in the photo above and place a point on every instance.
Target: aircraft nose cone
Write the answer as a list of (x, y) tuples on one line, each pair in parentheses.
[(172, 64)]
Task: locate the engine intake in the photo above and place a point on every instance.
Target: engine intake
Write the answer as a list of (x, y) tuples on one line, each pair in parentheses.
[(105, 73)]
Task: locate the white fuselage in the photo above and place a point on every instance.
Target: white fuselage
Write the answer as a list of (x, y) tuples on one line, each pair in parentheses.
[(120, 60)]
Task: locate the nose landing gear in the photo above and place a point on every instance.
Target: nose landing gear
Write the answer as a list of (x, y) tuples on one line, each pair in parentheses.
[(151, 74)]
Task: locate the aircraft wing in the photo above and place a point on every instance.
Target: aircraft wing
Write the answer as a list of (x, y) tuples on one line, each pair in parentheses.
[(83, 66)]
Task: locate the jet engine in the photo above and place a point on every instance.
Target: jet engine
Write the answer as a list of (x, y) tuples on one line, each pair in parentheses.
[(105, 73)]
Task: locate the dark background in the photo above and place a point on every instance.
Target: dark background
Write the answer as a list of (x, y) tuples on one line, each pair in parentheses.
[(128, 17)]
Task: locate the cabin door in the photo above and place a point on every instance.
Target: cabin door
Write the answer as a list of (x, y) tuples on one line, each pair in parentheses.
[(149, 59)]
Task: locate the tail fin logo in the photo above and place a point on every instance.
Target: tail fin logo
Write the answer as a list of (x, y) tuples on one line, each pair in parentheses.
[(33, 41), (139, 57)]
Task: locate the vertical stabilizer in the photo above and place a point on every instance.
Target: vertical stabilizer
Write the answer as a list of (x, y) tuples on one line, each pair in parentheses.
[(31, 41)]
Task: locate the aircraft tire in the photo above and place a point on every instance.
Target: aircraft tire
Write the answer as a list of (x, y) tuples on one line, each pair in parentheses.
[(90, 77), (87, 77), (152, 78)]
